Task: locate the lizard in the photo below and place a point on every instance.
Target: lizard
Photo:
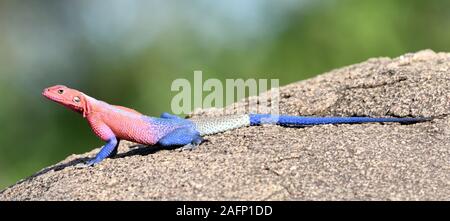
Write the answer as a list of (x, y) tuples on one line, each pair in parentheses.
[(112, 123)]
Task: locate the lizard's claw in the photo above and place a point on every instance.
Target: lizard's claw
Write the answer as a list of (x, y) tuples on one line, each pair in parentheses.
[(86, 164), (82, 165), (188, 147), (91, 162)]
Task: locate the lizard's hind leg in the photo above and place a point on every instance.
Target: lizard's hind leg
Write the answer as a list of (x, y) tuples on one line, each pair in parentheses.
[(186, 137), (169, 116)]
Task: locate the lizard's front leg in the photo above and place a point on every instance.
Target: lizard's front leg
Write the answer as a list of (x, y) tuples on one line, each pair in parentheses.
[(107, 150), (105, 133)]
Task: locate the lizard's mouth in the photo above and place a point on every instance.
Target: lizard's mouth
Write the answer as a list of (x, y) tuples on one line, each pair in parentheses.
[(50, 96)]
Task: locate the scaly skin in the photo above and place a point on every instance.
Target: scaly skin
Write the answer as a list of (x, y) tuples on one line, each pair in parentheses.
[(113, 123)]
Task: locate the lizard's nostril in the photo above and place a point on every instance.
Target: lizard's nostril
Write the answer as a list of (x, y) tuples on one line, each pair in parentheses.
[(45, 91)]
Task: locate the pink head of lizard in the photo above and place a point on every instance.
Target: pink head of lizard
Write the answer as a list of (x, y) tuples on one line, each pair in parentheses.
[(70, 98)]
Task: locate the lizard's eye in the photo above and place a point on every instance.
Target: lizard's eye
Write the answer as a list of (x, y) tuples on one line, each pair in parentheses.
[(60, 91), (76, 99)]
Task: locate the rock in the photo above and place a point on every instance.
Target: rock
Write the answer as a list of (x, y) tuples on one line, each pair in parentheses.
[(330, 162)]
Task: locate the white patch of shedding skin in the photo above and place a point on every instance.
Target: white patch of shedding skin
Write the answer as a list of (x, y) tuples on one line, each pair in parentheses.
[(213, 125)]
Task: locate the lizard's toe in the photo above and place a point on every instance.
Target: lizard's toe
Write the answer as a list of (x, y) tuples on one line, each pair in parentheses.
[(90, 163), (82, 165), (188, 147)]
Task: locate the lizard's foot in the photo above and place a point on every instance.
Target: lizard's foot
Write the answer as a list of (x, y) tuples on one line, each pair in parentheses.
[(87, 164), (90, 163), (192, 146), (82, 165), (188, 147)]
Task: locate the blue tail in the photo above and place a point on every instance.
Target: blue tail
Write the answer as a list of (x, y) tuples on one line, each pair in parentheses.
[(258, 119)]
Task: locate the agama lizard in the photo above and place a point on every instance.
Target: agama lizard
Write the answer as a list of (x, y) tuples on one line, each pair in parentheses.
[(113, 123)]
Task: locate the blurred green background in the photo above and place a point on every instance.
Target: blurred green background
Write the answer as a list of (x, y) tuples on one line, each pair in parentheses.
[(129, 52)]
